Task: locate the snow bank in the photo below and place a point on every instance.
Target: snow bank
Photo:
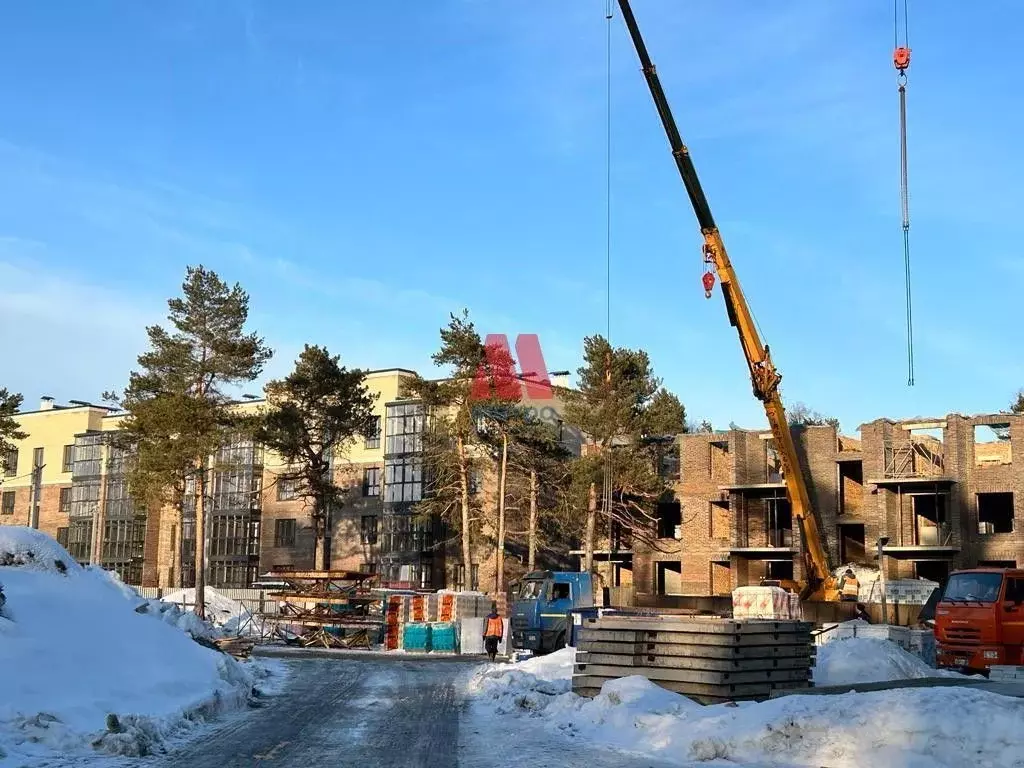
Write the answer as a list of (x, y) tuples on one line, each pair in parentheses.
[(907, 728), (80, 665), (222, 611), (869, 660)]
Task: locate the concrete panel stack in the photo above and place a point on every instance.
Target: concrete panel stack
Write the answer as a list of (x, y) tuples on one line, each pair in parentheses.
[(708, 659), (1005, 672)]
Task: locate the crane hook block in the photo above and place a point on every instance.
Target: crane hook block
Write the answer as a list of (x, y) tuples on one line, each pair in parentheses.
[(901, 58), (709, 283)]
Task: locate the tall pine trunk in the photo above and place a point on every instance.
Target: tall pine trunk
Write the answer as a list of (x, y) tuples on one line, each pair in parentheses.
[(467, 549), (588, 544), (500, 555), (532, 536), (200, 497)]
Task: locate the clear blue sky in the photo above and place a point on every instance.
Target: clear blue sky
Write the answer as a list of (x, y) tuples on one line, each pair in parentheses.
[(365, 168)]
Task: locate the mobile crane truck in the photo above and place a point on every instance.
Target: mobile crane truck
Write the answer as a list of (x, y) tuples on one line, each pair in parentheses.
[(818, 584)]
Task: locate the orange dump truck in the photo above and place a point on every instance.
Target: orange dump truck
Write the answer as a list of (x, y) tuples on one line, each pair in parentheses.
[(979, 621)]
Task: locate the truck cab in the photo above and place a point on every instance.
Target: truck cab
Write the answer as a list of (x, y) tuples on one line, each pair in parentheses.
[(542, 603), (979, 620)]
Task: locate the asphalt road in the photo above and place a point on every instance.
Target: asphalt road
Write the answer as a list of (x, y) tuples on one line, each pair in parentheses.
[(377, 714)]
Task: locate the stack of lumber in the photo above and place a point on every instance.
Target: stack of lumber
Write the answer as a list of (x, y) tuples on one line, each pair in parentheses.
[(711, 660), (239, 647)]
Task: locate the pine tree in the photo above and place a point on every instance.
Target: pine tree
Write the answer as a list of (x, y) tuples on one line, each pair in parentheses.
[(178, 409), (315, 410), (10, 402), (450, 461), (619, 405)]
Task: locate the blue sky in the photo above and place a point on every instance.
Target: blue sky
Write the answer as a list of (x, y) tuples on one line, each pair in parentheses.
[(365, 168)]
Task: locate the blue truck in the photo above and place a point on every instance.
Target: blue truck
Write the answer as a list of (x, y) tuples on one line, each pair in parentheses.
[(541, 608)]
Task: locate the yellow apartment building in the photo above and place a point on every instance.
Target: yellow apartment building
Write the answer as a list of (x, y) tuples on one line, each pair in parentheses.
[(68, 480)]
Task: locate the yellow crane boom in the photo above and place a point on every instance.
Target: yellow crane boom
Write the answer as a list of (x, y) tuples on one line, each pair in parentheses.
[(763, 374)]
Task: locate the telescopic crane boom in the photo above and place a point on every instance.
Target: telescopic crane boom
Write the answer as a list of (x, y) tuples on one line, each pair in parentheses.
[(763, 375)]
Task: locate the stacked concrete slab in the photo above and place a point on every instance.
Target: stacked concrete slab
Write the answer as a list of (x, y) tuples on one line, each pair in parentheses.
[(708, 659), (1005, 672)]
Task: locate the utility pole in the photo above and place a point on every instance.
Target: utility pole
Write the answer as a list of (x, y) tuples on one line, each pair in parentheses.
[(37, 488)]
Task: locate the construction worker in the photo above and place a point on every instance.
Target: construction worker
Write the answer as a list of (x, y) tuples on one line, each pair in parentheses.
[(862, 613), (849, 587), (494, 630)]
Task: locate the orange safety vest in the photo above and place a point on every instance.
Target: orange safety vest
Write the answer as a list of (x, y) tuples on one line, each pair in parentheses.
[(494, 627), (850, 587)]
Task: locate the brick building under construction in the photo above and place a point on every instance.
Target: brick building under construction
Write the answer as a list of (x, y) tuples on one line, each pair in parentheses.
[(944, 492)]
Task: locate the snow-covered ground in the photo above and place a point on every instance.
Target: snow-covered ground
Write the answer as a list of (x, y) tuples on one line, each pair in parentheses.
[(905, 728), (86, 664)]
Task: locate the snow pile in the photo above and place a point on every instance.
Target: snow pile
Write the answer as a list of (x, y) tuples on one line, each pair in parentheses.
[(906, 728), (528, 685), (230, 615), (869, 660), (81, 666)]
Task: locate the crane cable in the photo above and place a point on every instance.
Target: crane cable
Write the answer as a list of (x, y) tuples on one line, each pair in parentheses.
[(607, 492), (901, 60)]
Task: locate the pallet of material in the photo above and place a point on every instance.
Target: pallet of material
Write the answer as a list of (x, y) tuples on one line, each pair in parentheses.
[(682, 662), (700, 638)]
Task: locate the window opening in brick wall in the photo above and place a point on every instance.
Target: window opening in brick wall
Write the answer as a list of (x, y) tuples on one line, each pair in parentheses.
[(37, 458), (778, 570), (773, 462), (851, 487), (668, 576), (371, 481), (460, 577), (995, 513), (992, 446), (284, 532), (915, 452), (931, 528), (851, 543), (371, 438), (405, 425), (997, 563), (68, 461), (7, 503), (779, 521), (933, 570), (670, 520), (718, 460)]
